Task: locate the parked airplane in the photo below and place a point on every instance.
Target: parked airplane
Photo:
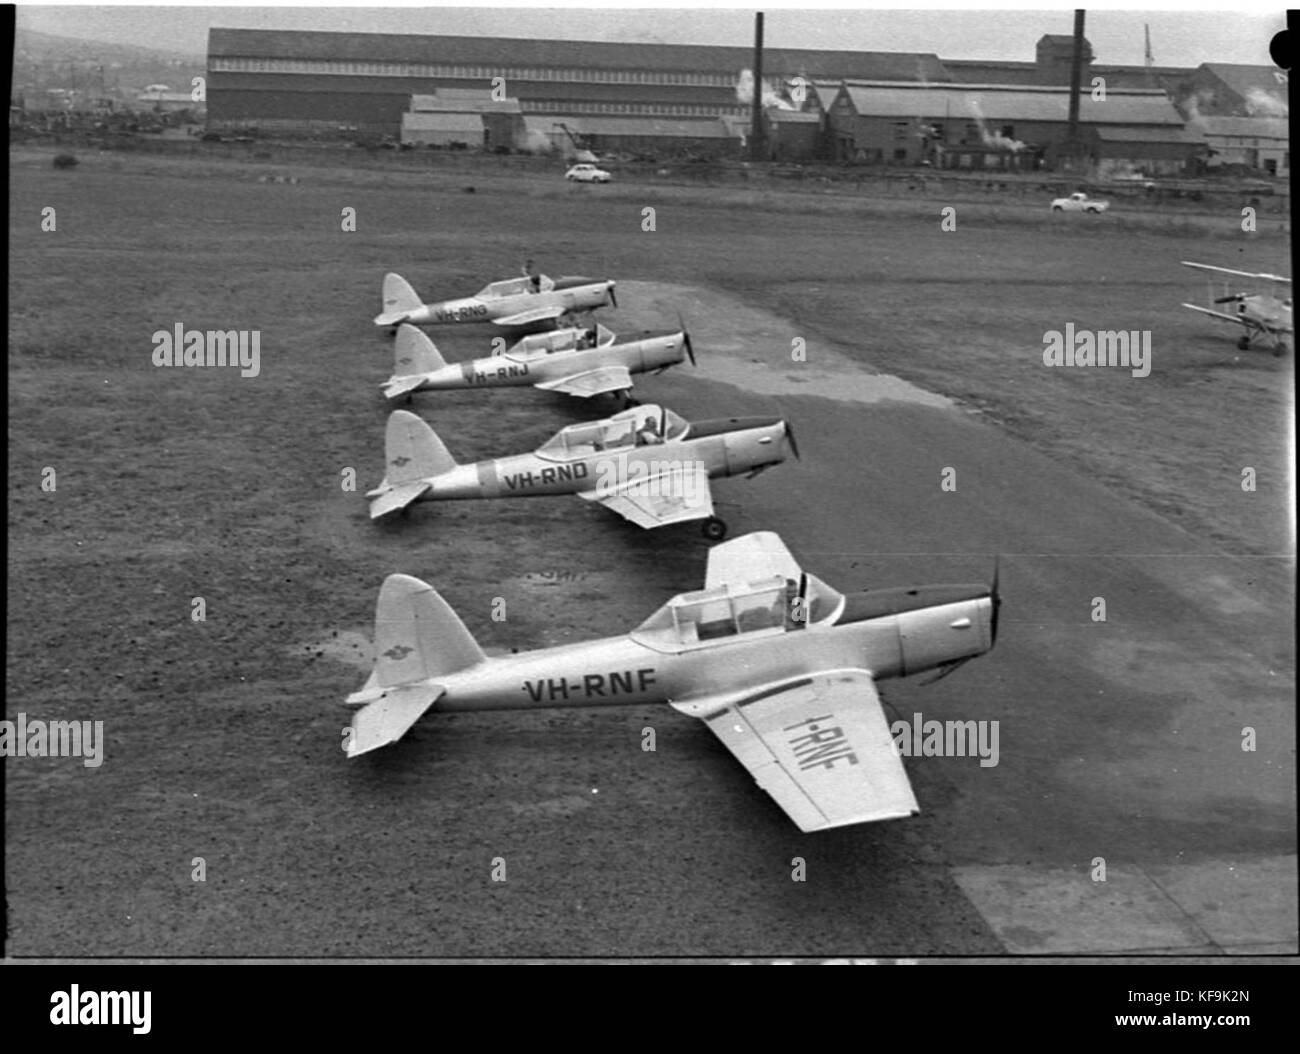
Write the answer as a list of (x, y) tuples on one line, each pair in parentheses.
[(780, 666), (525, 301), (646, 464), (582, 372), (1257, 313)]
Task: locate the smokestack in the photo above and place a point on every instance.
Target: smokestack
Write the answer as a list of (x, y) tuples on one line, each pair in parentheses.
[(756, 122), (1076, 69)]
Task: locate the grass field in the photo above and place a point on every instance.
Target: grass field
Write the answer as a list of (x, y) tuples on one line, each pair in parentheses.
[(174, 484)]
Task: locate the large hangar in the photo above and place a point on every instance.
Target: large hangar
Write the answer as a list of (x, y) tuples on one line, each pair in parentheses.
[(290, 81)]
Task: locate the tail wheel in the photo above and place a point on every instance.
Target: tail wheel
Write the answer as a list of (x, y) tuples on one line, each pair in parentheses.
[(714, 529), (1243, 343)]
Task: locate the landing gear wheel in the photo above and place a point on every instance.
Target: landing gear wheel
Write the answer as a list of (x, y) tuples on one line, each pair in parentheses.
[(1243, 343), (1279, 349), (409, 399), (714, 529)]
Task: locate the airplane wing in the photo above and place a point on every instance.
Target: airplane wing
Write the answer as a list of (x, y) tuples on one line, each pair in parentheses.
[(819, 744), (672, 496), (1239, 274), (537, 314), (750, 558), (1216, 314), (591, 382)]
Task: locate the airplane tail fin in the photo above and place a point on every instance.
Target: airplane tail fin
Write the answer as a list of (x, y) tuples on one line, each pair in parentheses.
[(413, 453), (414, 355), (400, 300), (418, 638)]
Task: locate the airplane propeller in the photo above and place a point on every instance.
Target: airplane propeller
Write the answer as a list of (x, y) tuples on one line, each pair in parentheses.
[(686, 338), (1231, 299), (613, 300)]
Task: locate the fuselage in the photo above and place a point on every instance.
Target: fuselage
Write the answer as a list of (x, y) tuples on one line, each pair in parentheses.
[(539, 365), (570, 294), (890, 633), (1267, 313), (724, 447)]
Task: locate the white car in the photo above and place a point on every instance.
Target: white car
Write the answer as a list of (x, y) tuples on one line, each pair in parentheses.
[(1079, 203), (587, 174)]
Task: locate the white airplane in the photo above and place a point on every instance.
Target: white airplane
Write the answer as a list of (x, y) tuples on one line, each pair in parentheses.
[(780, 666), (648, 465), (579, 371), (525, 301), (1257, 313)]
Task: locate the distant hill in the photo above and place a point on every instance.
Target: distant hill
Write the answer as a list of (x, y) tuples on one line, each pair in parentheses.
[(44, 62)]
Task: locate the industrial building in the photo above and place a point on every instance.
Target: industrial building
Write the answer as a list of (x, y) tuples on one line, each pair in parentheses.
[(1005, 126), (659, 100)]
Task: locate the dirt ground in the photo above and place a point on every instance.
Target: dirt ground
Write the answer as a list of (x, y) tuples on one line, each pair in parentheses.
[(222, 736)]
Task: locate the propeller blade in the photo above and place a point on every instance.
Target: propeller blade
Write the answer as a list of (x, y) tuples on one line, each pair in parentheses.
[(997, 603), (663, 422), (686, 338), (613, 300), (789, 435), (950, 668), (1230, 299)]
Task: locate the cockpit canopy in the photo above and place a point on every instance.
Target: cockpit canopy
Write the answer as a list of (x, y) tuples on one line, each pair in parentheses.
[(728, 611), (639, 426), (514, 287), (571, 339)]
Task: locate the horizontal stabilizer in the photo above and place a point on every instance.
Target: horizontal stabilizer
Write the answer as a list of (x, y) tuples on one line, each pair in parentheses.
[(389, 717), (399, 386), (397, 498)]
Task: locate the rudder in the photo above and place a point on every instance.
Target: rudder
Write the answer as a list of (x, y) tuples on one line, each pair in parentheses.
[(400, 300), (414, 353), (417, 634), (412, 450)]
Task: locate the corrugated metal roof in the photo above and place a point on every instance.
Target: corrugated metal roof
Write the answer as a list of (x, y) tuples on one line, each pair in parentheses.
[(1245, 80), (508, 51), (648, 126), (792, 116), (1111, 134), (470, 123), (1256, 127), (996, 103), (454, 100)]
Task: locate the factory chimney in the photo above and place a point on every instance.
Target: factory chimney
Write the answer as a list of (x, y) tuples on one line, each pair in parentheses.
[(1076, 70), (756, 136)]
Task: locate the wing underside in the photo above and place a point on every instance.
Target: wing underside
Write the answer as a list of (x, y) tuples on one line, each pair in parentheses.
[(591, 382), (1217, 314), (819, 745), (674, 494), (537, 314)]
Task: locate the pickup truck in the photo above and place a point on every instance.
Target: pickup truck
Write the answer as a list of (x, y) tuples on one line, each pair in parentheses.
[(1079, 202)]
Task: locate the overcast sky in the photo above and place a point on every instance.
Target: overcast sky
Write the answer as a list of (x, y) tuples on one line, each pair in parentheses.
[(1212, 32)]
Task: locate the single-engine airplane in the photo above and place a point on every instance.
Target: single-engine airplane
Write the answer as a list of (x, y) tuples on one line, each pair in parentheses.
[(582, 372), (525, 301), (1267, 314), (780, 666), (647, 464)]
